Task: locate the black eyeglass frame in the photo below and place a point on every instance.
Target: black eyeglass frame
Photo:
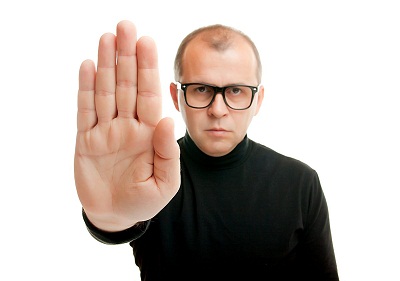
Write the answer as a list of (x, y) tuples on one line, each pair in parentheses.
[(183, 87)]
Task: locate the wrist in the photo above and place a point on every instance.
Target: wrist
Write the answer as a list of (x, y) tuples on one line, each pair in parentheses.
[(116, 237), (108, 223)]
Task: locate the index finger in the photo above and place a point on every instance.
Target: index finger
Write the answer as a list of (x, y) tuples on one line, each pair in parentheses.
[(87, 117), (149, 100)]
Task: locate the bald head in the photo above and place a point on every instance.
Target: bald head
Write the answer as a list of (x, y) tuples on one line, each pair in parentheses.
[(217, 37)]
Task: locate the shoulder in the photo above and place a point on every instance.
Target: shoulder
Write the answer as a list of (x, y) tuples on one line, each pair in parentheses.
[(289, 176), (270, 157)]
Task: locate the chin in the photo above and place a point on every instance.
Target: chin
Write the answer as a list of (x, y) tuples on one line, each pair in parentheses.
[(215, 147)]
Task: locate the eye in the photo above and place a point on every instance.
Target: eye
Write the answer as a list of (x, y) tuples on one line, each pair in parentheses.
[(235, 91), (202, 89)]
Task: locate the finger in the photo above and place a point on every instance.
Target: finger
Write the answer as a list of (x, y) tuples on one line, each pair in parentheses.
[(149, 104), (126, 90), (87, 118), (166, 158), (105, 79)]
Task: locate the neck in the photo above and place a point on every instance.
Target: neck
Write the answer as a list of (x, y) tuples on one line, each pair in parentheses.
[(237, 155)]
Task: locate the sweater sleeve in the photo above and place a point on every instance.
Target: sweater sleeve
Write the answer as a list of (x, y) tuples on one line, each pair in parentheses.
[(316, 249), (118, 237)]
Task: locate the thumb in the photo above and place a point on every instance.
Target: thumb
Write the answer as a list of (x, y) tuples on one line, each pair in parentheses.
[(166, 158)]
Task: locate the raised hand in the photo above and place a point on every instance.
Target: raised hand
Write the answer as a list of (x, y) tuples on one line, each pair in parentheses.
[(126, 159)]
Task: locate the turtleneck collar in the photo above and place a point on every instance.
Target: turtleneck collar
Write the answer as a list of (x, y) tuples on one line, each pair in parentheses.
[(237, 156)]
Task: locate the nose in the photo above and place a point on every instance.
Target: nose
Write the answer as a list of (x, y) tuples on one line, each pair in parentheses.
[(218, 108)]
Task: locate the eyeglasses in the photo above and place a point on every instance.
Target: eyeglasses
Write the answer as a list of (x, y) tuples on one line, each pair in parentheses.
[(197, 95)]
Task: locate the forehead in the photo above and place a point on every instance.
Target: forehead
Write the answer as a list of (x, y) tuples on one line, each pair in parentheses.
[(220, 63)]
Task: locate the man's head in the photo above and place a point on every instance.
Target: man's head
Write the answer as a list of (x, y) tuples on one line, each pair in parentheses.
[(218, 37), (218, 56)]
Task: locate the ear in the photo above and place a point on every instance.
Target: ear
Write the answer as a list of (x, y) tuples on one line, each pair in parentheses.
[(260, 98), (174, 95)]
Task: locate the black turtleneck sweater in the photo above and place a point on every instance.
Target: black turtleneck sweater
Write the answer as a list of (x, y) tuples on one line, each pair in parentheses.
[(253, 214)]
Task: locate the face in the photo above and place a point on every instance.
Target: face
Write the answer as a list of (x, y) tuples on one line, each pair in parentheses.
[(217, 130)]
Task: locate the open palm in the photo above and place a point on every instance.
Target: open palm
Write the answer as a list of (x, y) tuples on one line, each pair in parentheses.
[(127, 158)]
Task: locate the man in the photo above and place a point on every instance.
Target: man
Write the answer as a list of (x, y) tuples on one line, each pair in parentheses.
[(218, 206)]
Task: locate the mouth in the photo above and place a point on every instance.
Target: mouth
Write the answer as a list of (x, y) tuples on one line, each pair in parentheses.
[(217, 132)]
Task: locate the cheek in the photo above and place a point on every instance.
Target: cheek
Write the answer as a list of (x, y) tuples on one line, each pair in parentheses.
[(190, 117), (243, 122)]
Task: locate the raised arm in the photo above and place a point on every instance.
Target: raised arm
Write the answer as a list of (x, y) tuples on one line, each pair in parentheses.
[(126, 157)]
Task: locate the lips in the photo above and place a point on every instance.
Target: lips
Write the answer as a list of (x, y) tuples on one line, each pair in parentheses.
[(217, 130)]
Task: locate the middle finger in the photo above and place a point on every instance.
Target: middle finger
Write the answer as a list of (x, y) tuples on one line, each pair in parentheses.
[(126, 89)]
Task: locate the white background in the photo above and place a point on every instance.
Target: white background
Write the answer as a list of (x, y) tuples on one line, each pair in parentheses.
[(331, 72)]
